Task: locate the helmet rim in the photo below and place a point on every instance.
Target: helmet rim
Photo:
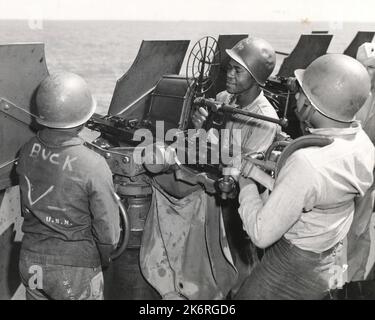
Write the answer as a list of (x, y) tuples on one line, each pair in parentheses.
[(336, 86), (299, 73), (233, 55), (64, 101), (66, 125)]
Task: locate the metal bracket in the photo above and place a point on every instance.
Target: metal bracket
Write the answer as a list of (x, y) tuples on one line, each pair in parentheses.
[(119, 159), (16, 112)]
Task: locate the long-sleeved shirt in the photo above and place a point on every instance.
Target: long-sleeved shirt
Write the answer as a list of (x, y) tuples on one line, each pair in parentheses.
[(71, 216), (312, 203)]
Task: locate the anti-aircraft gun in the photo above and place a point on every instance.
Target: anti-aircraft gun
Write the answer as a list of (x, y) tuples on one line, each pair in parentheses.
[(170, 105), (146, 120), (151, 90)]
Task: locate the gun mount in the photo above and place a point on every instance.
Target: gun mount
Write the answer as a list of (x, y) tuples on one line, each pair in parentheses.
[(151, 90), (168, 105)]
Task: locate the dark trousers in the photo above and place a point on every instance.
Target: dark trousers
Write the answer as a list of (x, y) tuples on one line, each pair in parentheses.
[(287, 272), (57, 282)]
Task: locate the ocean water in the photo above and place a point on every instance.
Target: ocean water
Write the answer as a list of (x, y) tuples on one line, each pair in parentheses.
[(102, 51)]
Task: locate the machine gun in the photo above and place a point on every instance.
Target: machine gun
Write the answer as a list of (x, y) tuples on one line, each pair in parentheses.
[(150, 91), (171, 103), (222, 108)]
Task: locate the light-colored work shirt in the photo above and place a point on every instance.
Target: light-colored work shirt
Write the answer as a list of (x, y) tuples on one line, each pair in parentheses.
[(256, 135), (312, 203)]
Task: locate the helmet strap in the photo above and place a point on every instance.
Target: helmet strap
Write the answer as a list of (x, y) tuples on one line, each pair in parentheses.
[(305, 115)]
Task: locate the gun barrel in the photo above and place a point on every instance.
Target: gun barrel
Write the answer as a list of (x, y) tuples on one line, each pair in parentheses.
[(250, 114), (215, 107)]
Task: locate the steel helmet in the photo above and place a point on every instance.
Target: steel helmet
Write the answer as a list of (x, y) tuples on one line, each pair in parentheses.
[(256, 55), (336, 85), (64, 101)]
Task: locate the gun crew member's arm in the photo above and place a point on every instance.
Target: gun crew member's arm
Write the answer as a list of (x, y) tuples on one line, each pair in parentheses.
[(295, 189)]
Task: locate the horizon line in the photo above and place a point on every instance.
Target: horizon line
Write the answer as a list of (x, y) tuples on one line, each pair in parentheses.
[(188, 20)]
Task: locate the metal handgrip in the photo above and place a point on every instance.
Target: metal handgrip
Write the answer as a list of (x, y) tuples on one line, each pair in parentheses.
[(125, 234)]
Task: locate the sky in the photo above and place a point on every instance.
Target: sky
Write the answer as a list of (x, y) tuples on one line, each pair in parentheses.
[(207, 10)]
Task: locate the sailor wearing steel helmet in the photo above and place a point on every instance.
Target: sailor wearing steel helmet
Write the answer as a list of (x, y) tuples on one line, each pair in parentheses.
[(359, 240), (71, 221), (252, 60), (310, 210)]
